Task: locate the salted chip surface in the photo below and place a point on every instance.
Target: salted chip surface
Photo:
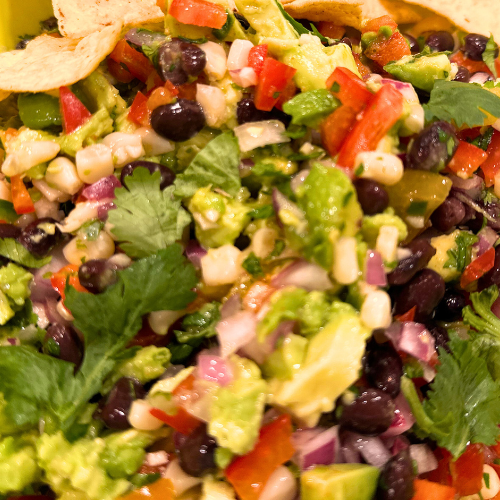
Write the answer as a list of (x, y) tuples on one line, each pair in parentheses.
[(473, 16), (78, 18), (4, 94), (351, 12), (48, 63)]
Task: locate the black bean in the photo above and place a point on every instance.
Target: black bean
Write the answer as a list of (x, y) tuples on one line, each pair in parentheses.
[(372, 196), (383, 367), (433, 148), (448, 215), (196, 452), (62, 342), (167, 177), (23, 43), (413, 43), (40, 236), (440, 41), (242, 20), (49, 24), (113, 409), (347, 41), (178, 60), (247, 112), (492, 277), (441, 337), (421, 253), (450, 308), (96, 275), (396, 478), (475, 45), (371, 413), (463, 75), (425, 291), (178, 121), (9, 231)]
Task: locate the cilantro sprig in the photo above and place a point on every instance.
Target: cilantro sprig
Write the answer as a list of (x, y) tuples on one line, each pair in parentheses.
[(108, 321), (490, 54)]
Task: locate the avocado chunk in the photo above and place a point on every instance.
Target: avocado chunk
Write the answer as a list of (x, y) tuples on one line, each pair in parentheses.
[(421, 71), (339, 482)]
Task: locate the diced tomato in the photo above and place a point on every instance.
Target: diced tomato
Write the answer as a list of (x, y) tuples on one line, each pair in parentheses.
[(68, 275), (122, 74), (137, 64), (473, 66), (182, 421), (478, 267), (427, 490), (349, 89), (467, 470), (384, 50), (158, 97), (139, 112), (162, 489), (161, 4), (364, 71), (256, 58), (442, 474), (492, 164), (74, 113), (21, 199), (274, 79), (378, 22), (188, 91), (248, 474), (287, 94), (382, 113), (466, 159), (198, 13), (469, 134), (330, 30), (336, 127), (408, 315)]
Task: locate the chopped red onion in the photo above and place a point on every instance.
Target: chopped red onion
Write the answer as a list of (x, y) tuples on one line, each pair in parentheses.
[(429, 373), (238, 54), (40, 287), (412, 338), (478, 208), (480, 77), (53, 314), (214, 369), (403, 418), (374, 270), (406, 89), (489, 234), (320, 449), (282, 203), (231, 306), (303, 274), (102, 210), (13, 341), (236, 331), (424, 458), (194, 252), (144, 37), (482, 245), (399, 444), (244, 77), (102, 189), (473, 186), (372, 449), (298, 179), (495, 308)]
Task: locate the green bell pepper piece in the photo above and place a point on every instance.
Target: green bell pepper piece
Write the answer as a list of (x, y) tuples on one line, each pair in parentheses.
[(39, 111)]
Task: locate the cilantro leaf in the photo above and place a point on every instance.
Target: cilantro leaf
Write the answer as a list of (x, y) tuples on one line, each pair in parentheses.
[(252, 265), (14, 251), (461, 256), (490, 54), (146, 218), (463, 404), (462, 103), (480, 316), (108, 321), (309, 108), (216, 164), (7, 212)]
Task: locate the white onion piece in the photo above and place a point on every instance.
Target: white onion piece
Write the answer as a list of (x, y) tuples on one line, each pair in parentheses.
[(46, 208), (51, 194), (257, 134), (281, 485), (213, 102), (374, 270), (244, 77), (423, 457), (231, 306), (238, 54), (480, 77), (236, 331), (373, 450), (403, 418), (216, 60), (405, 89), (214, 369), (304, 275)]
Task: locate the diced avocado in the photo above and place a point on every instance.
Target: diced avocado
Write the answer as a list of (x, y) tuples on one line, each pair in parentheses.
[(18, 468), (421, 71), (332, 363), (309, 108), (339, 482), (14, 281), (216, 490), (443, 244), (286, 358), (39, 111), (315, 63), (372, 224), (6, 311)]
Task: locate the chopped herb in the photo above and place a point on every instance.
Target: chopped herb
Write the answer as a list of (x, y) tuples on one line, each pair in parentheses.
[(483, 141), (253, 266), (279, 246), (263, 212), (460, 257), (222, 33), (490, 55), (417, 208)]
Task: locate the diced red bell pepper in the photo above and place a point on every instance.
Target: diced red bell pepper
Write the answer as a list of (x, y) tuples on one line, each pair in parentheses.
[(116, 70), (364, 71), (467, 470), (182, 421), (73, 111), (473, 66), (442, 474), (21, 199), (336, 127), (384, 50), (274, 79), (466, 159), (378, 22), (330, 30), (427, 490), (384, 110), (66, 275), (139, 112), (349, 89), (256, 58), (248, 474), (198, 13), (492, 164), (287, 94), (137, 64), (478, 267), (408, 315)]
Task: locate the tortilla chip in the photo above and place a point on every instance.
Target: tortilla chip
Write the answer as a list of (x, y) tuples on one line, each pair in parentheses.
[(350, 12), (48, 63), (4, 95), (473, 16), (79, 18)]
